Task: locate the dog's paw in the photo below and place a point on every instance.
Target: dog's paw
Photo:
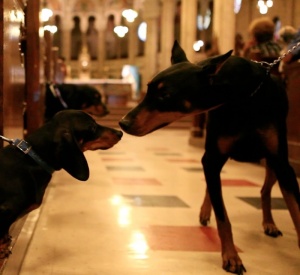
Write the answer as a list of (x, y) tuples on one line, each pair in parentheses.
[(204, 220), (234, 266), (236, 270), (204, 216), (271, 230), (5, 252)]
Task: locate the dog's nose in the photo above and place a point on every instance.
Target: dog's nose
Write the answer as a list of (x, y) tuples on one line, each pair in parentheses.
[(119, 134), (124, 124)]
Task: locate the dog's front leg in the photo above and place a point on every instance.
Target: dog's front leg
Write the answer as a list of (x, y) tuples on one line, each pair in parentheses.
[(212, 165), (269, 225), (290, 190), (205, 210)]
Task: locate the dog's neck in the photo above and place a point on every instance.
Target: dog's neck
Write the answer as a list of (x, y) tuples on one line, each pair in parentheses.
[(26, 148)]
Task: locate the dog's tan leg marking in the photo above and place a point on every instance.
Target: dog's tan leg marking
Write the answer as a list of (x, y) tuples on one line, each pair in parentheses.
[(268, 223), (231, 260), (293, 207), (205, 210)]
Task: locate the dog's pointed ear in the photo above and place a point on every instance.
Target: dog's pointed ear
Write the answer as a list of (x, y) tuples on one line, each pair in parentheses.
[(70, 156), (212, 65), (178, 54)]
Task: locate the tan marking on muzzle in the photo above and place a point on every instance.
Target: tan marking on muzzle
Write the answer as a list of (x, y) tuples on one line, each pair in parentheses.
[(107, 140)]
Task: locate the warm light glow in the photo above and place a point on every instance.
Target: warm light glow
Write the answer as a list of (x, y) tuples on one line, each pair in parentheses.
[(129, 14), (263, 6), (204, 22), (263, 9), (260, 3), (50, 28), (124, 215), (197, 45), (14, 32), (46, 14), (269, 3), (121, 30), (16, 16), (237, 6), (84, 63), (124, 210), (139, 245), (142, 31), (116, 200)]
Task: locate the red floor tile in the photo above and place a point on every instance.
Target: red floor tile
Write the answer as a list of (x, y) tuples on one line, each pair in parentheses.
[(183, 238), (238, 182)]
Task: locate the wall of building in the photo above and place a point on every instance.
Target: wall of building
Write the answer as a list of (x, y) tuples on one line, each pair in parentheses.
[(160, 16)]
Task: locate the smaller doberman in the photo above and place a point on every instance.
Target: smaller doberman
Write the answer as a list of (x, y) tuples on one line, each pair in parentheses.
[(64, 96), (247, 110), (26, 166)]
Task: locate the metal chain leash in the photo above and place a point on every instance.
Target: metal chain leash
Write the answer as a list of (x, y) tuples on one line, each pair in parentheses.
[(270, 65)]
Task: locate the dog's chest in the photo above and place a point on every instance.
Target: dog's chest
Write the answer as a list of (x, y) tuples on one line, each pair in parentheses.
[(245, 147)]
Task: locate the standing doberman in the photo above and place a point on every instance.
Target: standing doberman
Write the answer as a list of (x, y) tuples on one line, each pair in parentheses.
[(247, 111)]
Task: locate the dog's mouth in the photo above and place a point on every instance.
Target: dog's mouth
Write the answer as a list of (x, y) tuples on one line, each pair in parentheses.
[(159, 127), (98, 145), (102, 143), (97, 111)]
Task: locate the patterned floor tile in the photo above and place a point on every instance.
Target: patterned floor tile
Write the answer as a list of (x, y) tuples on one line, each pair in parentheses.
[(155, 201), (277, 203), (238, 182), (136, 181), (183, 238)]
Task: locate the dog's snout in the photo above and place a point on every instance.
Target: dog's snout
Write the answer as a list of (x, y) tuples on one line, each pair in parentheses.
[(119, 134), (124, 124)]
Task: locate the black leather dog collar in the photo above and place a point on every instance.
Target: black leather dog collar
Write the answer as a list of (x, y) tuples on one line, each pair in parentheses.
[(26, 148)]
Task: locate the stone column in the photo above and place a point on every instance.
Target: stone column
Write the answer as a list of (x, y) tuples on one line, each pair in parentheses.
[(151, 46), (167, 32), (188, 26), (101, 25), (224, 24), (132, 43), (66, 25)]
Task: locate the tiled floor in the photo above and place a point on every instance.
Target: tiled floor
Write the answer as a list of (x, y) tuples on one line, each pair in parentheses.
[(138, 214)]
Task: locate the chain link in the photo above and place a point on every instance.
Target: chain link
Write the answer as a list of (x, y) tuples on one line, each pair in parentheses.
[(270, 65)]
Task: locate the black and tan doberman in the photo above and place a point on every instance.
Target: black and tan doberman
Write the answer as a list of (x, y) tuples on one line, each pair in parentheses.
[(247, 110), (26, 166), (59, 97)]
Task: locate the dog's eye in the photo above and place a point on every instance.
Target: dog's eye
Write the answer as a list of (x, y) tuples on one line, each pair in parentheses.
[(93, 128), (163, 93)]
